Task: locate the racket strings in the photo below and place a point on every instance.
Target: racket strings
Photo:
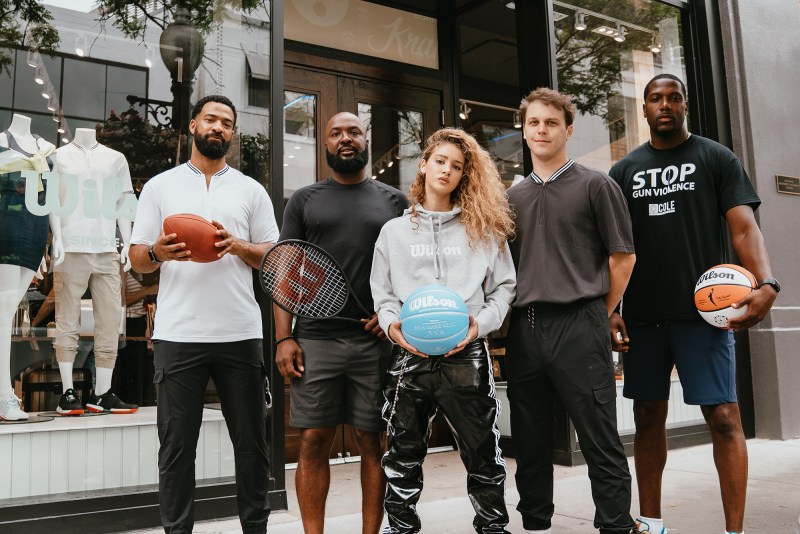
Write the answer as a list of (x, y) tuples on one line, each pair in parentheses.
[(304, 280)]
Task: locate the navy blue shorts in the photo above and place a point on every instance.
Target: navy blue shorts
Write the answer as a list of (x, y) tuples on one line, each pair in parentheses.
[(703, 355)]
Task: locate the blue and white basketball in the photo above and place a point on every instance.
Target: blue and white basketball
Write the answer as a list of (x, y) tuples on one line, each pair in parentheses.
[(434, 319)]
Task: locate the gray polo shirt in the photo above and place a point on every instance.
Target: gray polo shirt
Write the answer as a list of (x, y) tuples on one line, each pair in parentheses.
[(566, 228)]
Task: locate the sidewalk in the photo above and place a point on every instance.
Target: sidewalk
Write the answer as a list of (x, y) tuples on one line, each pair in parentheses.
[(691, 502)]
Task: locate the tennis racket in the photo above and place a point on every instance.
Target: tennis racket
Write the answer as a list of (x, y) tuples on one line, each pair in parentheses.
[(306, 281)]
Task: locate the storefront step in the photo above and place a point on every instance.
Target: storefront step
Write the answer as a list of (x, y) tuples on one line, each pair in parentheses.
[(104, 453)]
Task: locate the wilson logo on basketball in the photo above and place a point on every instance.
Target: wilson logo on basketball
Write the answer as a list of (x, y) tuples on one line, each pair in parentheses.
[(711, 275), (430, 301)]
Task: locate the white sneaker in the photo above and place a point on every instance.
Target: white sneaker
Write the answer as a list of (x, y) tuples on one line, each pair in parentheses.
[(642, 527), (10, 409)]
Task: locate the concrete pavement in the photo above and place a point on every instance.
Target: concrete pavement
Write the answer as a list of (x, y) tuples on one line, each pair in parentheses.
[(691, 502)]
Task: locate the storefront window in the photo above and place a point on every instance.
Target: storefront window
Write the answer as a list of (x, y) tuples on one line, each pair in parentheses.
[(606, 52), (125, 84), (299, 141), (395, 141), (489, 84)]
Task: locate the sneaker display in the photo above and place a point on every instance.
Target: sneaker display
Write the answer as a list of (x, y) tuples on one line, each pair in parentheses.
[(69, 404), (11, 408), (108, 402)]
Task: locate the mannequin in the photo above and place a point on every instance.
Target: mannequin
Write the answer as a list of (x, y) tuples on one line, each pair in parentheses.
[(23, 238), (91, 260)]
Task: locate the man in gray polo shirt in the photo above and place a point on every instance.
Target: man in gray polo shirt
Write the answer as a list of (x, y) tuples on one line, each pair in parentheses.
[(573, 252)]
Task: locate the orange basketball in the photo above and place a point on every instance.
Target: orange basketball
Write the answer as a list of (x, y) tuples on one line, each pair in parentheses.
[(198, 234), (718, 288)]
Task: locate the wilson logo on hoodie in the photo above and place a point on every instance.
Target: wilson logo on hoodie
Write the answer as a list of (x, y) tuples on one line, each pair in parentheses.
[(419, 251)]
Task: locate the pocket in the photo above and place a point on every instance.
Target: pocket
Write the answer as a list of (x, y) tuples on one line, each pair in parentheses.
[(158, 376), (605, 394)]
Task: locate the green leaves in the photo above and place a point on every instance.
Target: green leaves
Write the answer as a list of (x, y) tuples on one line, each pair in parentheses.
[(25, 23), (132, 18)]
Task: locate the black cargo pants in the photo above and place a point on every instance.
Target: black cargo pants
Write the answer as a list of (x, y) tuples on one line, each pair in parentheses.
[(564, 352), (181, 375)]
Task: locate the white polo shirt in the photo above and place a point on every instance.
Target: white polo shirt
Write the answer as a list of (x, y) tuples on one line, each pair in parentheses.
[(103, 178), (206, 302)]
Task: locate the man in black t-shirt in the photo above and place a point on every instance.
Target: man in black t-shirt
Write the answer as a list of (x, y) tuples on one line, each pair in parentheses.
[(337, 367), (679, 187)]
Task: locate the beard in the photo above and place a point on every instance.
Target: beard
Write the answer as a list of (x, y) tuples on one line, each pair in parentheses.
[(211, 149), (350, 165)]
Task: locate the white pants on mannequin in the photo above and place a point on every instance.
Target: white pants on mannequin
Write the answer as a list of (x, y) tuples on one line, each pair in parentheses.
[(14, 282)]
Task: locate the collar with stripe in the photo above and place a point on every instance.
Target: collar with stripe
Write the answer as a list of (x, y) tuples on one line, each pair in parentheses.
[(556, 174), (198, 171), (84, 148)]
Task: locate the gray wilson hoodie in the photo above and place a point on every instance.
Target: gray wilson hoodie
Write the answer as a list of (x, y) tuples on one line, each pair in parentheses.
[(433, 249)]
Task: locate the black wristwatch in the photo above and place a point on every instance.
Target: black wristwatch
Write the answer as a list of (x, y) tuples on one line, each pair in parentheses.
[(152, 254), (771, 282)]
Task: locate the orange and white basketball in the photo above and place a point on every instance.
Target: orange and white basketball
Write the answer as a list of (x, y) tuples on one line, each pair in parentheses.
[(718, 288)]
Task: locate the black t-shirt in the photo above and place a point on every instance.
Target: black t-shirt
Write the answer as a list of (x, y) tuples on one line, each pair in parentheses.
[(677, 199), (344, 220)]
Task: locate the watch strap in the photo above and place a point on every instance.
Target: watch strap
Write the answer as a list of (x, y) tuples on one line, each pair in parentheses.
[(771, 282)]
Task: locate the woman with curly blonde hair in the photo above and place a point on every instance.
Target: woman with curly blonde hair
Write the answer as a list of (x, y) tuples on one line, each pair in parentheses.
[(453, 235)]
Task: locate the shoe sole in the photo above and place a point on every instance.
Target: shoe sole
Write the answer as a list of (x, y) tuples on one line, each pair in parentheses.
[(13, 419), (119, 411), (69, 412), (122, 411)]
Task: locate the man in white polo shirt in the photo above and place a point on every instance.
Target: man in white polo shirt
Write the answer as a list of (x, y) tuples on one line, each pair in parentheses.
[(207, 321)]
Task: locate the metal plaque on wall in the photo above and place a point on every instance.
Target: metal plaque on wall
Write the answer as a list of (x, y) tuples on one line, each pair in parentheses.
[(787, 184)]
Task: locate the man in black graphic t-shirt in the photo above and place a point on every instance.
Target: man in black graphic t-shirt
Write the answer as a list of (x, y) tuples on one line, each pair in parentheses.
[(679, 187), (337, 367)]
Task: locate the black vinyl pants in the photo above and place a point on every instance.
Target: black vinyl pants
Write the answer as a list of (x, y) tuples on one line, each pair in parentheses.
[(566, 354), (182, 371), (462, 387)]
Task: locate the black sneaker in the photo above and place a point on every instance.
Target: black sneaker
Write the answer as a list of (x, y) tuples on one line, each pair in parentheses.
[(69, 404), (108, 402)]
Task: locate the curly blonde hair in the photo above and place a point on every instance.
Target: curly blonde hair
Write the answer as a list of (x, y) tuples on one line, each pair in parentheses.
[(480, 194)]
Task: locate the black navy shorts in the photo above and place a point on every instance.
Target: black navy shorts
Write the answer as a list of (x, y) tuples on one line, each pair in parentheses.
[(342, 383), (703, 355)]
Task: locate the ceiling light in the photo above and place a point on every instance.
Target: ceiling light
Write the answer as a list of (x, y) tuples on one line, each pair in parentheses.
[(46, 95), (297, 147), (464, 111), (52, 107), (604, 30), (655, 44), (31, 58), (64, 140), (517, 119), (61, 129), (81, 48), (511, 5), (390, 163), (381, 171), (580, 21), (38, 79), (620, 35), (148, 58)]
